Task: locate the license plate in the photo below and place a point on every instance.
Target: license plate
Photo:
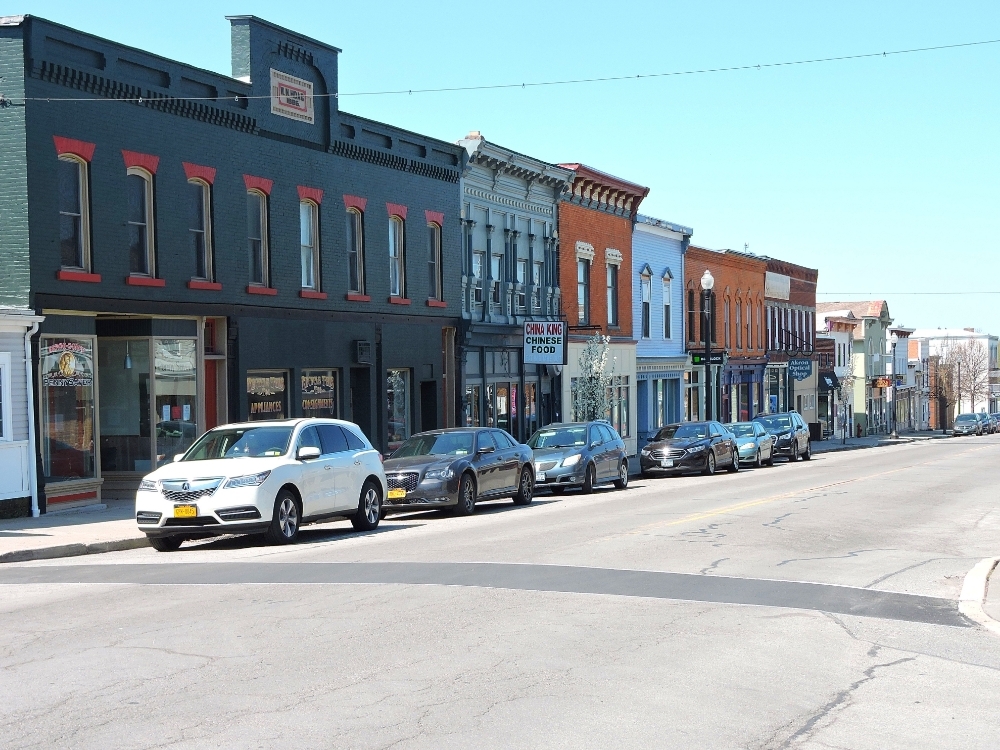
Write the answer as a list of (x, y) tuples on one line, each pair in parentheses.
[(185, 511), (396, 494), (540, 476), (665, 464)]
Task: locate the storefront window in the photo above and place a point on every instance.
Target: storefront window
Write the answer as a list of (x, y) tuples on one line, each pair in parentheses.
[(530, 409), (319, 393), (267, 394), (124, 368), (67, 406), (176, 385), (619, 412), (398, 399), (473, 418)]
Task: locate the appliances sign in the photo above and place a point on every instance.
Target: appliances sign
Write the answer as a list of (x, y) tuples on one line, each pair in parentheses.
[(292, 97), (545, 343)]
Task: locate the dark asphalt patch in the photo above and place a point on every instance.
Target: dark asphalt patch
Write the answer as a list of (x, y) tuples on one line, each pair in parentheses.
[(841, 600)]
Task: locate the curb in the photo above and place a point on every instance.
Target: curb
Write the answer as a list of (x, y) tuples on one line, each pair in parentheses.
[(970, 602), (72, 550)]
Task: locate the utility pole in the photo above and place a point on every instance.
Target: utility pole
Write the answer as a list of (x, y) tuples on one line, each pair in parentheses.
[(707, 282)]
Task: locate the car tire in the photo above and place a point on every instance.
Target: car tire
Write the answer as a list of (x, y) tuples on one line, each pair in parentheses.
[(622, 481), (758, 463), (558, 489), (589, 480), (369, 511), (710, 464), (795, 453), (736, 464), (466, 496), (809, 452), (284, 528), (770, 458), (525, 488), (166, 543)]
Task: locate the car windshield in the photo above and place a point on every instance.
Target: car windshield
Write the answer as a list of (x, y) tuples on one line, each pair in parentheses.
[(439, 444), (240, 442), (966, 418), (776, 423), (682, 432), (742, 429), (559, 437)]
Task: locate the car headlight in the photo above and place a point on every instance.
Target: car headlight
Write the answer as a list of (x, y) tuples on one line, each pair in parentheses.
[(440, 473), (645, 451), (572, 460), (249, 480), (149, 485), (696, 449)]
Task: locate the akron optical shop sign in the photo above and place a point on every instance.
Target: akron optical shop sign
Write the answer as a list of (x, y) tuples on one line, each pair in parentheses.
[(545, 343)]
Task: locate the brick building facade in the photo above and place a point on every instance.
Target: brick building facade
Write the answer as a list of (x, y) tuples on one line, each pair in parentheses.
[(791, 331), (596, 217), (209, 248)]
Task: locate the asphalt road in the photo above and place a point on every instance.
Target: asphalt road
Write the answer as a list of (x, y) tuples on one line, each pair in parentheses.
[(807, 605)]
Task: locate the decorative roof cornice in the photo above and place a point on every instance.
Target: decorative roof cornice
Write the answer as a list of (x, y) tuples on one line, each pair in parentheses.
[(506, 161), (595, 189)]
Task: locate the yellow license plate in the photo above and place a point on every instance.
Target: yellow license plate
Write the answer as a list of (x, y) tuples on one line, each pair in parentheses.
[(396, 494), (185, 511)]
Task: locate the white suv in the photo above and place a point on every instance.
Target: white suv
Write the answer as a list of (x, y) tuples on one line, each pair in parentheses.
[(263, 477)]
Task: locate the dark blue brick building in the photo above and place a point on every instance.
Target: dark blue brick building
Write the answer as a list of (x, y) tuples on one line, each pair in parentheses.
[(209, 249)]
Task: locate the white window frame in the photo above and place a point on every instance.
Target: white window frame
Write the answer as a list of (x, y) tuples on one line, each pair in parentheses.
[(435, 272), (668, 308), (357, 218), (478, 258), (582, 291), (645, 305), (537, 274), (6, 418), (313, 249), (397, 257), (83, 191), (611, 282), (522, 283), (496, 273), (264, 249), (206, 230), (147, 178)]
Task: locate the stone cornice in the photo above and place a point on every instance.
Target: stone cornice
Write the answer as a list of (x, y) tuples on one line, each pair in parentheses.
[(502, 200)]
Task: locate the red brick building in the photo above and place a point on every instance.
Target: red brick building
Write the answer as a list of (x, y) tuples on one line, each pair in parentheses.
[(738, 330), (596, 217)]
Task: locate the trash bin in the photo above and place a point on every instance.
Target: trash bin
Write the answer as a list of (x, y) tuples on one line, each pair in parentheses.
[(815, 431)]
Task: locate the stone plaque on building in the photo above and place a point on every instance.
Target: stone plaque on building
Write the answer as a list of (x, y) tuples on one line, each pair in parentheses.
[(292, 97)]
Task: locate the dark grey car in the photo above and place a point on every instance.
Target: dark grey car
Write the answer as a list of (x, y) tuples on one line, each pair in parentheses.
[(455, 468), (579, 454), (791, 434)]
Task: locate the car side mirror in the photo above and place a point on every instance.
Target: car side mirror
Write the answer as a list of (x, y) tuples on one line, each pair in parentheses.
[(595, 444), (307, 453), (486, 449), (178, 457)]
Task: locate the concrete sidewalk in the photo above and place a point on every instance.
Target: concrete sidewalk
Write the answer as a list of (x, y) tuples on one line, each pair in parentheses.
[(832, 443), (70, 533)]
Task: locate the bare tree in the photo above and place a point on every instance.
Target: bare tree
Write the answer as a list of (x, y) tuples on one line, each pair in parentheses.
[(943, 388), (970, 362)]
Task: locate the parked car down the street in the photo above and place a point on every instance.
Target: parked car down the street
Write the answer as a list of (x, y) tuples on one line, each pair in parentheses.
[(791, 434), (457, 467), (689, 447), (267, 477), (967, 424), (754, 444), (579, 454)]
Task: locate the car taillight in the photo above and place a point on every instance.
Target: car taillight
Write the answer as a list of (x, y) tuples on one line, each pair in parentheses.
[(381, 458)]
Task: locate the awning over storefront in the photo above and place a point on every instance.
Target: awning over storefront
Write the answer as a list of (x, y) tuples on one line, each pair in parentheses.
[(828, 380)]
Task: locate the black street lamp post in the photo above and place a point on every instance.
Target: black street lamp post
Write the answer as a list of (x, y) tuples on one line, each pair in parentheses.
[(707, 282)]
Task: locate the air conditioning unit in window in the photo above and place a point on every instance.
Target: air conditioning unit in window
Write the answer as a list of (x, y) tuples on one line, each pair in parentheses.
[(363, 353)]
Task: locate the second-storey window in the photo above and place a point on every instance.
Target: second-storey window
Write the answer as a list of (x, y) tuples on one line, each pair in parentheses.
[(612, 294), (397, 262), (478, 273), (309, 244), (199, 201), (666, 308), (645, 291), (583, 291), (522, 280), (496, 269), (739, 325), (140, 222), (257, 237), (74, 214), (435, 286), (536, 286), (355, 251)]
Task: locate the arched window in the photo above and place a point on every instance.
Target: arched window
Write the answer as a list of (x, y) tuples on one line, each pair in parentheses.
[(141, 232), (74, 213), (355, 251), (691, 314), (397, 258), (646, 289), (257, 238), (199, 206), (309, 244)]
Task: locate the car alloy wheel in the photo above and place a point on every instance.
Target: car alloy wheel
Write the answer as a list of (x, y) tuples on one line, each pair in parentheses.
[(285, 522), (524, 488), (369, 511), (466, 496), (758, 462), (590, 480), (710, 463), (622, 481)]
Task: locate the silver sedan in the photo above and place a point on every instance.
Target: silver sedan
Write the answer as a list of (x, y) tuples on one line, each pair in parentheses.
[(754, 443)]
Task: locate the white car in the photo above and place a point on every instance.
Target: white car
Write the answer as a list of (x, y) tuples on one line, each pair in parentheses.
[(263, 477)]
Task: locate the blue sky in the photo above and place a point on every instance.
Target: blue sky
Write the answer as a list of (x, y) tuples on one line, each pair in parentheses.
[(881, 173)]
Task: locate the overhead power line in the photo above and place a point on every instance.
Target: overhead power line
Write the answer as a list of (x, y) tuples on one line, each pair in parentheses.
[(912, 294), (560, 82)]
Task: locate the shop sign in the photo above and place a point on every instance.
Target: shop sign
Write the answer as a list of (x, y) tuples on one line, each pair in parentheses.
[(881, 382), (545, 343), (292, 97), (800, 369), (319, 393), (67, 364), (266, 395), (777, 285), (715, 358)]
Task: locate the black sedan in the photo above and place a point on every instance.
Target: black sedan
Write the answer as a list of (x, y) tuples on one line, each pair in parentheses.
[(579, 454), (791, 434), (689, 446), (455, 468)]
